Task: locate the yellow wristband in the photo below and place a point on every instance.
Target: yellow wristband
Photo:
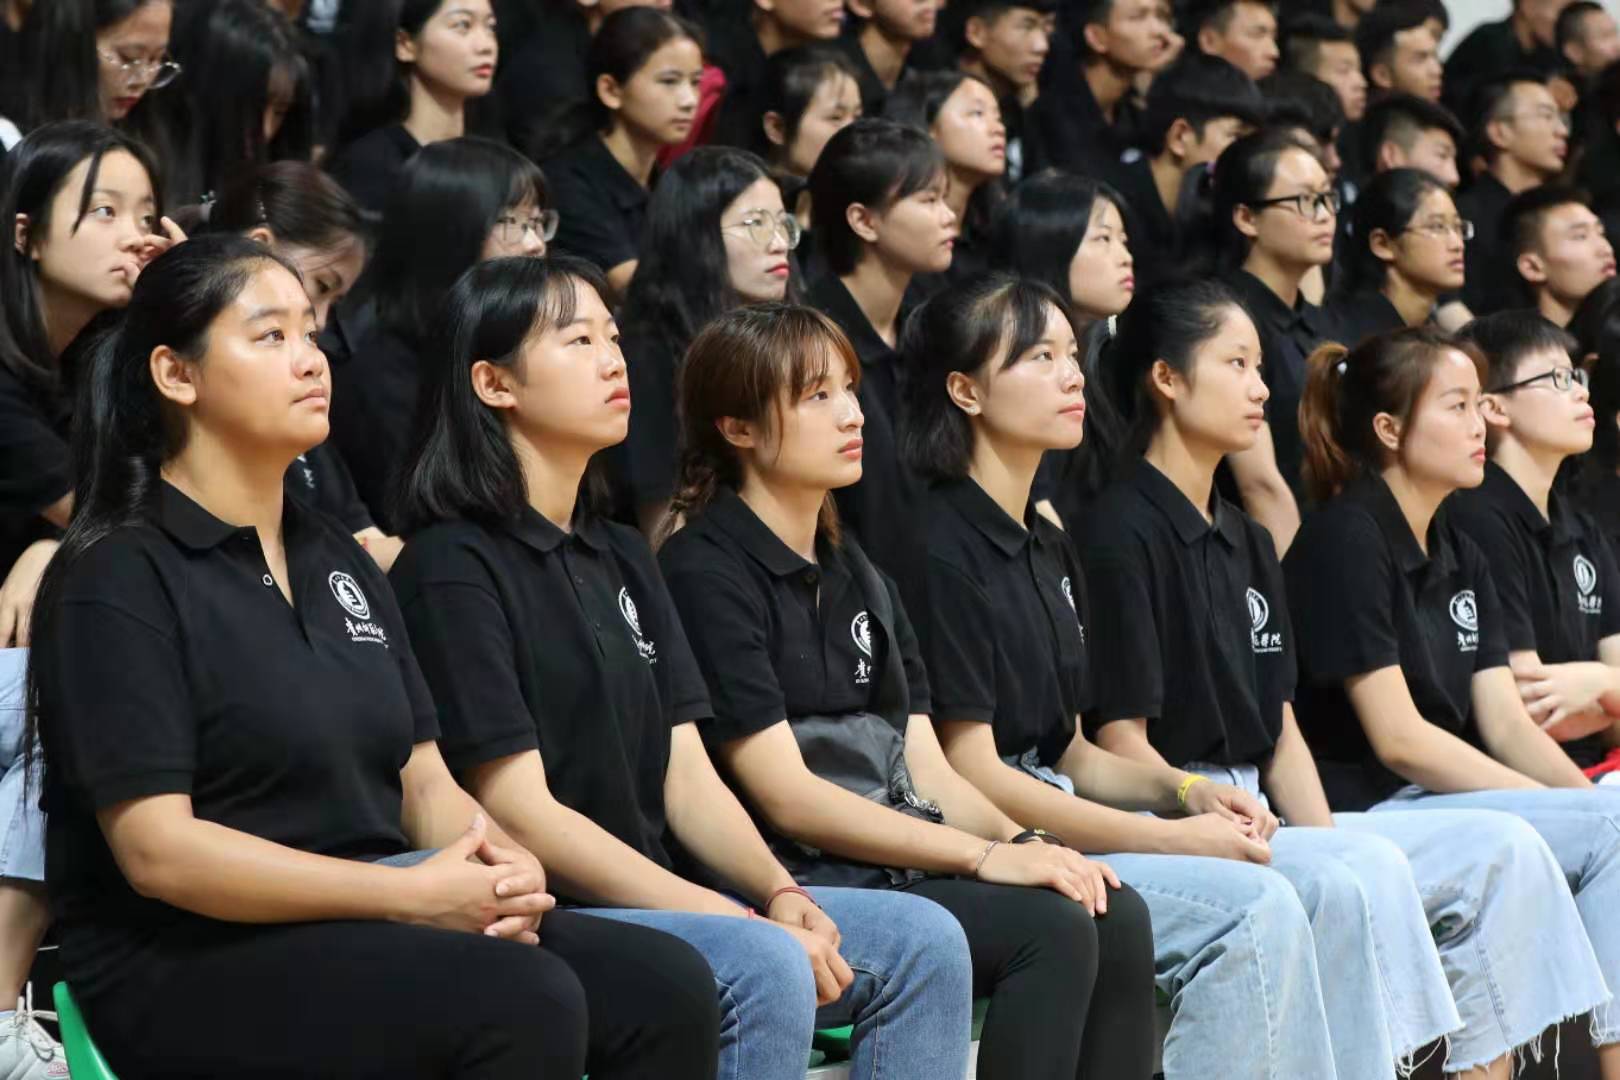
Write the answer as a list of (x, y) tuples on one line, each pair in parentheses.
[(1186, 786)]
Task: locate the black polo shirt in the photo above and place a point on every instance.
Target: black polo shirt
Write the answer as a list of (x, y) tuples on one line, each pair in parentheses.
[(174, 665), (1006, 642), (374, 396), (321, 480), (647, 464), (1555, 577), (545, 67), (1070, 128), (1490, 280), (1190, 621), (1287, 336), (35, 466), (1364, 596), (602, 208), (873, 93), (372, 166), (886, 508), (1357, 316), (1155, 237), (776, 635), (533, 638)]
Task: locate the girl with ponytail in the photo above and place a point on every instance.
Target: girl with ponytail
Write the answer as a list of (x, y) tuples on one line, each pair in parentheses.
[(582, 740), (1191, 622), (1405, 685), (762, 579), (238, 747)]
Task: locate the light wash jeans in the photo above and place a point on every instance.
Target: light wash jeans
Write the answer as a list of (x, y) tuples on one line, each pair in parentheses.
[(1233, 952), (22, 822), (911, 1002), (1569, 967)]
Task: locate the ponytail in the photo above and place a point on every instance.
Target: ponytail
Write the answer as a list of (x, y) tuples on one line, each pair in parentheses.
[(1328, 466)]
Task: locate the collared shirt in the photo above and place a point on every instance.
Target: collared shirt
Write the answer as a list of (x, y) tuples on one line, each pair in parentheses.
[(1287, 336), (602, 208), (1070, 128), (174, 665), (321, 479), (372, 166), (1190, 621), (1555, 577), (35, 471), (1490, 281), (1150, 225), (1006, 644), (1365, 596), (779, 636), (1360, 315), (374, 397), (533, 638)]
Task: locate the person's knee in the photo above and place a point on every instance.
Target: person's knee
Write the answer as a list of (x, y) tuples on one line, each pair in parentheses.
[(1126, 931), (1274, 914), (933, 940), (1062, 935), (1330, 890), (675, 996), (770, 983), (525, 990)]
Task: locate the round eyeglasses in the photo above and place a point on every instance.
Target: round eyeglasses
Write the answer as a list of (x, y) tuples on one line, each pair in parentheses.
[(155, 73), (1562, 377), (511, 229), (764, 226)]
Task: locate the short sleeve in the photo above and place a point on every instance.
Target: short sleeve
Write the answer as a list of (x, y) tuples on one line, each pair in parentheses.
[(34, 465), (463, 641), (591, 226), (910, 652), (959, 649), (1505, 558), (1493, 647), (726, 628), (1123, 638), (424, 714), (118, 718), (1340, 579)]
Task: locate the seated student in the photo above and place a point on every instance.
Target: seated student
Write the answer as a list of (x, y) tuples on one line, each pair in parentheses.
[(582, 740), (1556, 579), (1524, 41), (307, 218), (420, 64), (1276, 216), (88, 60), (247, 97), (810, 94), (642, 80), (1399, 53), (1407, 132), (1241, 32), (1406, 252), (991, 387), (1069, 233), (1405, 687), (460, 201), (717, 237), (882, 41), (1195, 110), (1559, 249), (1321, 48), (1086, 112), (741, 47), (1163, 552), (261, 854), (1006, 44), (881, 218), (841, 762), (1587, 39), (960, 114)]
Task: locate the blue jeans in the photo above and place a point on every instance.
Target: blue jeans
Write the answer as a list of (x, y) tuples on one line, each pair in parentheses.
[(911, 1002), (1569, 935), (22, 822)]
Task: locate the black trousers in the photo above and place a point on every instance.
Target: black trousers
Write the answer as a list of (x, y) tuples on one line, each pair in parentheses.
[(326, 1001), (1070, 996)]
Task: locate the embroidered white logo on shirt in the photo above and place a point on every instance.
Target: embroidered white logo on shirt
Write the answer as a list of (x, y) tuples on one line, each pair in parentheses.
[(1465, 613), (1068, 594), (348, 593), (1586, 581), (1259, 615), (627, 608), (860, 628)]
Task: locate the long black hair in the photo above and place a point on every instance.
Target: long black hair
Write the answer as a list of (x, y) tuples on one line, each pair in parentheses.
[(872, 162), (234, 53), (792, 77), (436, 222), (462, 464), (123, 430), (1387, 205), (1242, 177), (1042, 223), (916, 101), (682, 280), (295, 200), (57, 72), (35, 172)]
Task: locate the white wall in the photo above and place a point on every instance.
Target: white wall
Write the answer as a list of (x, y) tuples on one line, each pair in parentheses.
[(1467, 14)]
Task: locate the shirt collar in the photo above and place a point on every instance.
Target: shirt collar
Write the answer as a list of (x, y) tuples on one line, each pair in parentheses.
[(536, 530), (1505, 491), (1184, 516), (1373, 493), (980, 510), (737, 520), (185, 519), (618, 184), (832, 297), (1268, 308)]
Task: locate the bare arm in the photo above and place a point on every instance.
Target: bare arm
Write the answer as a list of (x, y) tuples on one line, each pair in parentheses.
[(1567, 701), (1127, 741), (1266, 495), (1513, 738), (964, 805), (1291, 779)]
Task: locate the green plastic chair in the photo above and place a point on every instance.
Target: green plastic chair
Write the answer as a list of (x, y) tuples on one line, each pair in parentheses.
[(84, 1060)]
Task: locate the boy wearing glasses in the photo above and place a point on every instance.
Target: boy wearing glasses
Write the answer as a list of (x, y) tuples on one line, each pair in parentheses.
[(1556, 580), (1558, 249)]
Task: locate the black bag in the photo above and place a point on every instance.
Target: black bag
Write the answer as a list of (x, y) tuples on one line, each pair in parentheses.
[(863, 752)]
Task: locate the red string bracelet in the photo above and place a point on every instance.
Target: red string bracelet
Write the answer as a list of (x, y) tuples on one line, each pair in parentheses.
[(789, 889)]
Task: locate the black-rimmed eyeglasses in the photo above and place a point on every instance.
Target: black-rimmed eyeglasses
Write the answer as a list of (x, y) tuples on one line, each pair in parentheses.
[(1562, 379)]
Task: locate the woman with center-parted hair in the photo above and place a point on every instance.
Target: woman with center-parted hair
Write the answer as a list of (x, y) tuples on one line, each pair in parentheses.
[(1190, 619), (837, 756), (239, 758), (993, 383), (1405, 687), (570, 699)]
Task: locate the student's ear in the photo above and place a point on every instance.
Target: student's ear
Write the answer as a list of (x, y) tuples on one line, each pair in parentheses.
[(1387, 430), (1209, 41), (1532, 268), (1180, 138), (862, 221), (1096, 38), (1380, 76), (171, 373), (739, 433), (775, 128), (261, 234), (20, 234), (861, 9), (1382, 246), (1243, 221), (1496, 135), (964, 392), (1162, 377), (1494, 409), (609, 92), (975, 32), (492, 385), (1389, 156), (405, 50)]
